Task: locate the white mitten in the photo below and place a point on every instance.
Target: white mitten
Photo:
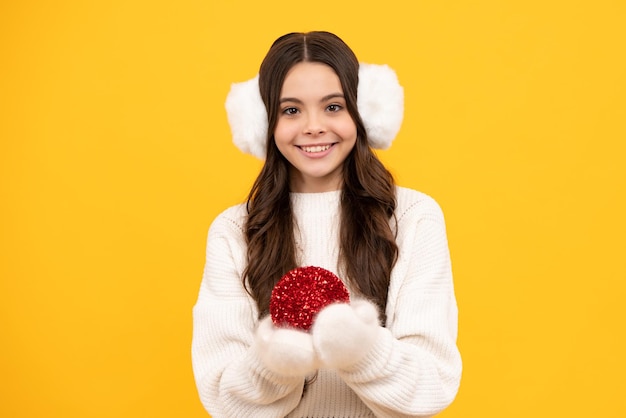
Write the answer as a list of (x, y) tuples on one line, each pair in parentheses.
[(343, 334), (285, 351)]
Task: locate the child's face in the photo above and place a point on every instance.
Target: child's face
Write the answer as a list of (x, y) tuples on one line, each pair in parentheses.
[(314, 130)]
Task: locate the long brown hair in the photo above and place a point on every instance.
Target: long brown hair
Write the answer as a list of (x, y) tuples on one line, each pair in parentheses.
[(368, 250)]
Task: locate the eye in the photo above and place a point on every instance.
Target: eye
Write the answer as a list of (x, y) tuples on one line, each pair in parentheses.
[(334, 108), (290, 111)]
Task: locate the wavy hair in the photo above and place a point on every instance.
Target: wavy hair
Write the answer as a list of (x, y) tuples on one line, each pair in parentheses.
[(368, 249)]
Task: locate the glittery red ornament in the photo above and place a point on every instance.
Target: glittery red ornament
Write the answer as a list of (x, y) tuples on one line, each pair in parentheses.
[(301, 293)]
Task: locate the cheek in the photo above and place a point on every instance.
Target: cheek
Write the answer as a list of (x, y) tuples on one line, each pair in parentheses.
[(348, 130), (283, 132)]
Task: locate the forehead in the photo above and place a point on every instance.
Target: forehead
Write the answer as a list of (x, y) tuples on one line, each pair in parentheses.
[(310, 79)]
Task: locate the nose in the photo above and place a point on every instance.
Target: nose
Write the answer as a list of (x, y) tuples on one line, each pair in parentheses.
[(314, 125)]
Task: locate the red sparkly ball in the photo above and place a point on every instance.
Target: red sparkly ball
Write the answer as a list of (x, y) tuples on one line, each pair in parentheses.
[(301, 293)]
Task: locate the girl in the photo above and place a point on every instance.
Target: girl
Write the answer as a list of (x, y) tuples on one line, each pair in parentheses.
[(324, 199)]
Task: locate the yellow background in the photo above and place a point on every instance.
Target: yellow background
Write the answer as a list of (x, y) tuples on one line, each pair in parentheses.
[(115, 156)]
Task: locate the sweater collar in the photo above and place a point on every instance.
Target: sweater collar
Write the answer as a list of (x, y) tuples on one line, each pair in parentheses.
[(324, 203)]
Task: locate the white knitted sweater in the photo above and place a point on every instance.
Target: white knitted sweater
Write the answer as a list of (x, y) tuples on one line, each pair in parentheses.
[(414, 370)]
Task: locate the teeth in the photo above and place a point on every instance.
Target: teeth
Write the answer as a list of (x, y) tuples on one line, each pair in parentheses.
[(317, 148)]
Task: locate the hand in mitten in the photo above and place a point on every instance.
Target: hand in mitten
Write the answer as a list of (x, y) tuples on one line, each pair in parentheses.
[(343, 334), (286, 351)]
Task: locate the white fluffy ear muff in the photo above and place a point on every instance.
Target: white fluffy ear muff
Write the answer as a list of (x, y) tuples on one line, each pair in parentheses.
[(380, 101), (247, 117)]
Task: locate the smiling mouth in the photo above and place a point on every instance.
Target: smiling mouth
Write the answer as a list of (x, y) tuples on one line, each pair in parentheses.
[(315, 148)]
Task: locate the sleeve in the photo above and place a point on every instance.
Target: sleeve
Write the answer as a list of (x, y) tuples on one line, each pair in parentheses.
[(414, 369), (230, 377)]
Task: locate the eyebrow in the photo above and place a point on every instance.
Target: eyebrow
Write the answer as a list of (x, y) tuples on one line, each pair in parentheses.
[(323, 99)]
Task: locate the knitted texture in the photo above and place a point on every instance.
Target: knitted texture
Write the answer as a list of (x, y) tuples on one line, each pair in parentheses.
[(413, 368)]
